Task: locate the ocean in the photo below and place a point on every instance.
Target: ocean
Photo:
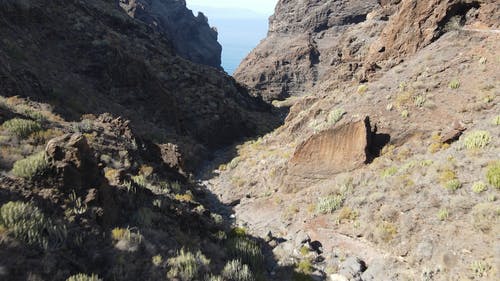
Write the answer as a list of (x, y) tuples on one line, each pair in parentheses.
[(238, 38), (239, 32)]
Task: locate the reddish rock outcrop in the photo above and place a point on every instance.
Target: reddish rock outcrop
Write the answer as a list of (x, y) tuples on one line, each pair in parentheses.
[(333, 151), (416, 24)]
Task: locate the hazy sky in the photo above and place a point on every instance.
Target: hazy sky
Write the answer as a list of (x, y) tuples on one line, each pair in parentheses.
[(260, 6)]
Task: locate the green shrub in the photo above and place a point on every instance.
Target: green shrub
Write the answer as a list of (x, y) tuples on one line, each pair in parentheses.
[(22, 128), (214, 278), (187, 266), (305, 267), (493, 174), (329, 204), (454, 84), (31, 166), (420, 100), (496, 120), (246, 250), (453, 184), (84, 277), (477, 139), (234, 163), (389, 172), (26, 223), (157, 260), (443, 214), (362, 89), (335, 115), (480, 268), (236, 271), (479, 187)]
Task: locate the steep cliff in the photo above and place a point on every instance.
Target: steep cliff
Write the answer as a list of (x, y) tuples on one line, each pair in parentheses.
[(191, 36), (317, 40)]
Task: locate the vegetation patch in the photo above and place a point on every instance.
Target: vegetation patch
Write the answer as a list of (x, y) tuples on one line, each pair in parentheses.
[(32, 166), (26, 223), (477, 139), (479, 187), (236, 271), (454, 84), (21, 128), (187, 266), (335, 116), (84, 277), (246, 250), (480, 268), (329, 204), (443, 214), (493, 174)]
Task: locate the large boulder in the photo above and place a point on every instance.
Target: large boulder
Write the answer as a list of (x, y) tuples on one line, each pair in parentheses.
[(74, 162), (332, 151)]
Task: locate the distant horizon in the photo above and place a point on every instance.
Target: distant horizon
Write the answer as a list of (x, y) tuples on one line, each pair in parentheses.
[(263, 7)]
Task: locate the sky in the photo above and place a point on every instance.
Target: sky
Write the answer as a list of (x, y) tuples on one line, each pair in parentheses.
[(265, 7)]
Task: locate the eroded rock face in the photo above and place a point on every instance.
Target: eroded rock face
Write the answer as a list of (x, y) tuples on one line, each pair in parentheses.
[(191, 36), (416, 24), (332, 151), (313, 41), (306, 39)]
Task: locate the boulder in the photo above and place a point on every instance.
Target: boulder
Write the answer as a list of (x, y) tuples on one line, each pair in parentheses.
[(332, 151), (74, 162)]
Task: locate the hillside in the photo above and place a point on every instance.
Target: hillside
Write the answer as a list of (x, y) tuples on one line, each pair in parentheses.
[(102, 122), (388, 159), (123, 159)]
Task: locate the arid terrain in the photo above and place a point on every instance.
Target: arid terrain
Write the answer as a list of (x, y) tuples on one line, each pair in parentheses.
[(359, 141)]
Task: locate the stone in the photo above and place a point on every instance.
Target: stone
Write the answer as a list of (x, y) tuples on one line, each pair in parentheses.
[(301, 238), (74, 161), (352, 267), (336, 150)]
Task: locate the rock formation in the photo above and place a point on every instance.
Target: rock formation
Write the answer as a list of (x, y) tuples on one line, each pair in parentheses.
[(108, 62), (333, 151), (191, 36), (313, 41)]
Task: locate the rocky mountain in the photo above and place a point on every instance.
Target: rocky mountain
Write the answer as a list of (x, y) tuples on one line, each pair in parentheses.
[(102, 123), (122, 160), (386, 167), (90, 58), (317, 40), (191, 37)]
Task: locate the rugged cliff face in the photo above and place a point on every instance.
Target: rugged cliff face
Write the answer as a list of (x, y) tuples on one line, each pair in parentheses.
[(90, 58), (317, 40), (191, 36), (400, 199)]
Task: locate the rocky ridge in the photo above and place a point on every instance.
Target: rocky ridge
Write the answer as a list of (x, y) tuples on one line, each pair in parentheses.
[(109, 62), (319, 40), (191, 37)]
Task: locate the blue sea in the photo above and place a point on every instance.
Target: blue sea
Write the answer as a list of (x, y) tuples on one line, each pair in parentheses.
[(240, 31), (238, 38)]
